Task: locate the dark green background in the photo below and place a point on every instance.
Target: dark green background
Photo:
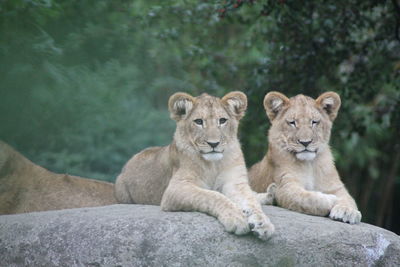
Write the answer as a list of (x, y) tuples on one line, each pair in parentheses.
[(85, 84)]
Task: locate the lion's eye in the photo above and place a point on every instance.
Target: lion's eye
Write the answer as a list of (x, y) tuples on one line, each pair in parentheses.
[(314, 122), (222, 121), (198, 121), (292, 123)]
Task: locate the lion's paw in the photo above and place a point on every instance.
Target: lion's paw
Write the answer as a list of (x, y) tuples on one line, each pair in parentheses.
[(268, 197), (261, 226), (234, 222), (271, 193), (271, 189), (345, 214)]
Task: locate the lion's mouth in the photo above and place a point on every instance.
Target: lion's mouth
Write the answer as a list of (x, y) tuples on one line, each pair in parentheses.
[(211, 152), (307, 150), (213, 155), (306, 154)]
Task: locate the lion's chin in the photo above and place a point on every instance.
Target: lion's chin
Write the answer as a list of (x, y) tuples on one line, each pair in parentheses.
[(213, 156), (306, 155)]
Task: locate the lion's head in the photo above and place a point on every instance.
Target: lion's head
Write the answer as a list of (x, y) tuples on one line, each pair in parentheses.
[(301, 125), (207, 125)]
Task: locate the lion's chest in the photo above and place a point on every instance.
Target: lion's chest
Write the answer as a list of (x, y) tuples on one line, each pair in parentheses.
[(307, 177), (309, 183), (312, 179), (209, 178)]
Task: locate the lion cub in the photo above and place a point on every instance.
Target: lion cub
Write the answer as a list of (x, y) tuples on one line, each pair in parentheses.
[(299, 162), (202, 169)]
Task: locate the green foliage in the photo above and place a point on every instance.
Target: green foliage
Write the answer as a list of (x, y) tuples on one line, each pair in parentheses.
[(350, 48), (84, 84)]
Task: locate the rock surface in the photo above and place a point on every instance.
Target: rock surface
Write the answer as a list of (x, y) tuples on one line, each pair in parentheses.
[(136, 235)]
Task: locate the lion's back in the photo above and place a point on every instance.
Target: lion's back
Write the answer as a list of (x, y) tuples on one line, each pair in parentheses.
[(145, 177), (27, 187)]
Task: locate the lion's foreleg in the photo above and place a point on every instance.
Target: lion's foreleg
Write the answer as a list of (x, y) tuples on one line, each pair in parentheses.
[(187, 196), (293, 196), (242, 195), (235, 186)]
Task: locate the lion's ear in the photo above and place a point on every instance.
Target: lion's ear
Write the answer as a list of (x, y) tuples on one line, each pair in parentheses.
[(274, 102), (330, 103), (236, 103), (179, 105)]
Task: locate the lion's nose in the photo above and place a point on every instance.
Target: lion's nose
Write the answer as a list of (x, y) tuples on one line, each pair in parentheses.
[(305, 143), (213, 144)]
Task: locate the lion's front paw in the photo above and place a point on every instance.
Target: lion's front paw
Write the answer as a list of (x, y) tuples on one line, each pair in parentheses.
[(271, 189), (234, 222), (268, 197), (261, 226), (345, 214)]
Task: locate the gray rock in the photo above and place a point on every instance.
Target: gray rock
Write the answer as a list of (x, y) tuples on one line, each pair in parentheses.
[(137, 235)]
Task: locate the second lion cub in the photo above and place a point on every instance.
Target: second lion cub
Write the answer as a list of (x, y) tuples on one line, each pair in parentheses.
[(299, 160), (202, 169)]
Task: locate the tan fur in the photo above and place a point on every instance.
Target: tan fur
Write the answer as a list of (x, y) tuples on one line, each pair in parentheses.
[(27, 187), (186, 176), (305, 182)]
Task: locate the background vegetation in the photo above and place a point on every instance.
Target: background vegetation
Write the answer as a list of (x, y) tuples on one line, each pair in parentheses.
[(84, 84)]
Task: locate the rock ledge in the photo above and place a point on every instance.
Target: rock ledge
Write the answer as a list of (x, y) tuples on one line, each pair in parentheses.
[(137, 235)]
